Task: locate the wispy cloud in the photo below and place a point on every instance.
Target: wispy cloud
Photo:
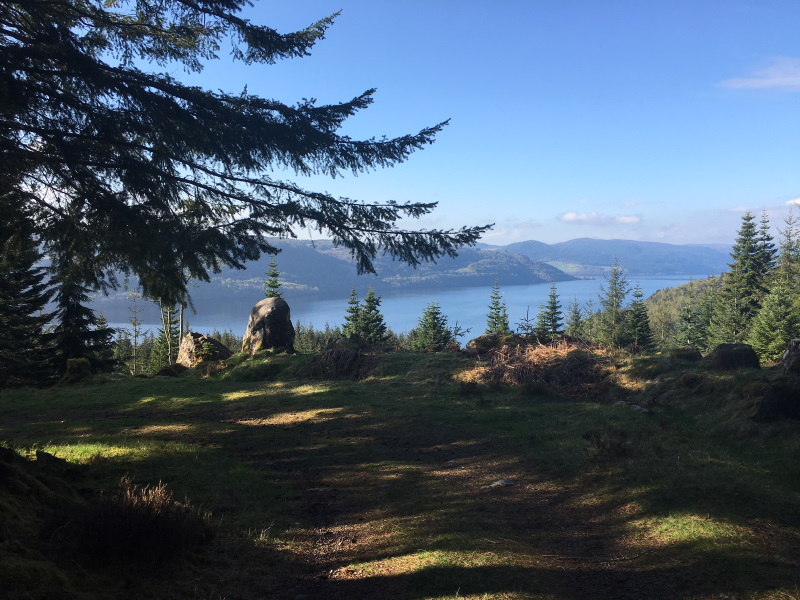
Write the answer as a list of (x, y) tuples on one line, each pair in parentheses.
[(595, 218), (782, 73), (513, 230), (795, 202)]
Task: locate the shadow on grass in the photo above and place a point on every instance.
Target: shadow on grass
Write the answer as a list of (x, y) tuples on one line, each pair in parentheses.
[(402, 463)]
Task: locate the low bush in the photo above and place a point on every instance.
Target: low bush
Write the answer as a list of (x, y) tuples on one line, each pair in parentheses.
[(137, 523), (339, 362)]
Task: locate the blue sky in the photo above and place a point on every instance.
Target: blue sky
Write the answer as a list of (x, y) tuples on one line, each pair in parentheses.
[(644, 120)]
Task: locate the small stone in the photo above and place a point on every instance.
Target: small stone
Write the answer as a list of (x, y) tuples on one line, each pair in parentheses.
[(498, 483)]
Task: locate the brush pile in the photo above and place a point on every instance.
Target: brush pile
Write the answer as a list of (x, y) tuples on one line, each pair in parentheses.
[(575, 371)]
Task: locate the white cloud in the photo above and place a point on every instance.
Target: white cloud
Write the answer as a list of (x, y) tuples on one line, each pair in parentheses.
[(782, 73), (594, 218), (575, 217), (511, 230), (795, 202)]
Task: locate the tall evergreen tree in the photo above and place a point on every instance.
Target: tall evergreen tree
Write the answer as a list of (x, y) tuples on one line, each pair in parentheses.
[(639, 332), (612, 302), (497, 319), (766, 254), (352, 316), (372, 327), (272, 286), (743, 287), (549, 319), (77, 333), (789, 254), (130, 169), (24, 293)]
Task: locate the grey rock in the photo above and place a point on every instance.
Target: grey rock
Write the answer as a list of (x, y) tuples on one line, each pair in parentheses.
[(270, 327)]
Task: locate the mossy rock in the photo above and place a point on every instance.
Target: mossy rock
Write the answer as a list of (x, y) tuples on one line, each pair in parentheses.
[(728, 357)]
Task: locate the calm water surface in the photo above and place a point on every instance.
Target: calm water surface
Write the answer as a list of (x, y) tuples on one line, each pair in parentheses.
[(468, 306)]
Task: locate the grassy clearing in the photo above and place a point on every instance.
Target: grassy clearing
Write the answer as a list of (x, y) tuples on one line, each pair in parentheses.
[(409, 484)]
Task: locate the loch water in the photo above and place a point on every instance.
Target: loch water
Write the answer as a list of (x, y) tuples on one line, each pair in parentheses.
[(467, 306)]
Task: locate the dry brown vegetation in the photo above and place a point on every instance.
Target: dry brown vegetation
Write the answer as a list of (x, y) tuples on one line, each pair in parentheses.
[(574, 370)]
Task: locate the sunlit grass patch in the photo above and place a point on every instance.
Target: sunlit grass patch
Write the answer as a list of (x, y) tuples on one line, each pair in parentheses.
[(290, 418), (703, 531), (424, 559)]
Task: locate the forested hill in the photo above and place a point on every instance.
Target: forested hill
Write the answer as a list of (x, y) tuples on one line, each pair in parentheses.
[(321, 271), (586, 256)]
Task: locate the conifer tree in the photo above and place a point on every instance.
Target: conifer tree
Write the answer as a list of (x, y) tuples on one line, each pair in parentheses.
[(123, 350), (371, 326), (24, 293), (574, 319), (352, 315), (766, 254), (776, 324), (432, 333), (165, 347), (639, 332), (77, 333), (549, 319), (497, 319), (130, 169), (743, 287), (612, 303), (527, 325), (272, 286), (789, 254)]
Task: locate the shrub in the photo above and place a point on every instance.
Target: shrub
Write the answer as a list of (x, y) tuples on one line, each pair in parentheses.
[(136, 523), (77, 369), (339, 362)]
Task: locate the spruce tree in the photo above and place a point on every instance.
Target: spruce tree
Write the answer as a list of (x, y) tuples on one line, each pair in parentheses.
[(574, 319), (272, 286), (77, 333), (549, 319), (24, 293), (130, 169), (432, 333), (497, 319), (776, 324), (789, 254), (743, 287), (639, 332), (612, 303), (766, 254), (371, 326), (352, 316), (527, 325)]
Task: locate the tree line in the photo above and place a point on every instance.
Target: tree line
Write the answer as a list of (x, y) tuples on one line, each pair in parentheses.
[(756, 302)]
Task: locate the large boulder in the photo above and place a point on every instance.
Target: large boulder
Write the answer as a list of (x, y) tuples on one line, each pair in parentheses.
[(780, 401), (726, 357), (196, 348), (270, 327), (791, 358)]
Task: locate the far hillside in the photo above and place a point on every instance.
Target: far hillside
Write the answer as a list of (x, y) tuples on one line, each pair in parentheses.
[(587, 256)]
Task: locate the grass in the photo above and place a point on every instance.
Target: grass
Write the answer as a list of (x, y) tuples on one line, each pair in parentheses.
[(382, 487)]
